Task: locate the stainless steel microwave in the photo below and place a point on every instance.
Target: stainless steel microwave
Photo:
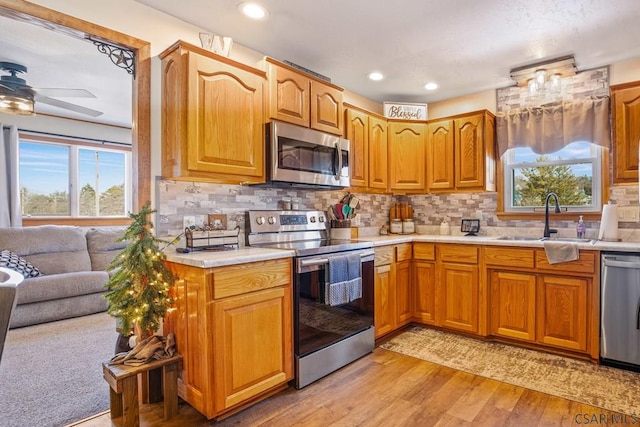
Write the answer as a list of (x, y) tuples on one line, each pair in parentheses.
[(302, 156)]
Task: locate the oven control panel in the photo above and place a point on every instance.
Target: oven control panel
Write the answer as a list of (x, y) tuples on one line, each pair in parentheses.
[(266, 221)]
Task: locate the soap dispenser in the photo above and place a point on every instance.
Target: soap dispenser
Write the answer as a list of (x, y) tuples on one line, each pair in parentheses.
[(444, 228), (581, 229)]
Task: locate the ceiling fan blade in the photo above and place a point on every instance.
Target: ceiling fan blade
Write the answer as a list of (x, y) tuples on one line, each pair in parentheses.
[(8, 87), (64, 93), (68, 106)]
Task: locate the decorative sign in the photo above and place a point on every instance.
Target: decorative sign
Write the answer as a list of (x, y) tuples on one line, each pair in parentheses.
[(404, 111)]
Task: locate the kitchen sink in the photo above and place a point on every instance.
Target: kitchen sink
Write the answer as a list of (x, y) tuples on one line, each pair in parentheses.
[(542, 239), (518, 238)]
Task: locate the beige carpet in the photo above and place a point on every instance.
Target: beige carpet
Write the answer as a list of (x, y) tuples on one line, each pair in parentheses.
[(609, 388)]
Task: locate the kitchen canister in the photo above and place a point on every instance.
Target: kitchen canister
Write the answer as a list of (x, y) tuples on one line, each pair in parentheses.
[(395, 226), (341, 229), (408, 226)]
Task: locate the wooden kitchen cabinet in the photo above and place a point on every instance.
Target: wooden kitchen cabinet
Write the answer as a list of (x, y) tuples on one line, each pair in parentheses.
[(392, 282), (458, 287), (299, 98), (212, 117), (551, 305), (562, 312), (625, 115), (367, 134), (461, 153), (406, 155), (513, 305), (423, 293), (233, 326)]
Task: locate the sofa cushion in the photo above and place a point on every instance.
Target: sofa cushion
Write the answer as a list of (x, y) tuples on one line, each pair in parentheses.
[(15, 262), (52, 248), (64, 285), (103, 245)]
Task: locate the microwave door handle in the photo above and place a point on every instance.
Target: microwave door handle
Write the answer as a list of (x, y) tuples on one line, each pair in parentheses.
[(339, 154)]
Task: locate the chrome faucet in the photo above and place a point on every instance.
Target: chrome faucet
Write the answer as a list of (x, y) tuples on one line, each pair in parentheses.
[(547, 230)]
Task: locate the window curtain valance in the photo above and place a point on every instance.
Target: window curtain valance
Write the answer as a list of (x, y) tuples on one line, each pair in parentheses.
[(549, 128)]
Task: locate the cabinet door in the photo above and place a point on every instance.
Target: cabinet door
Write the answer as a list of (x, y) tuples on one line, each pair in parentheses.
[(378, 152), (562, 312), (225, 119), (326, 108), (384, 300), (358, 135), (406, 155), (403, 293), (423, 295), (289, 94), (469, 149), (440, 155), (253, 344), (459, 297), (626, 132), (513, 304)]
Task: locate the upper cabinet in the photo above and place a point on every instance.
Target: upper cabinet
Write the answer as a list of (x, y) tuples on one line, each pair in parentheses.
[(367, 134), (406, 155), (625, 111), (212, 117), (461, 153), (304, 100)]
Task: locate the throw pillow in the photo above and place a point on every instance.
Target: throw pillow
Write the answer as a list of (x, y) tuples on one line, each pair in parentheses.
[(15, 262)]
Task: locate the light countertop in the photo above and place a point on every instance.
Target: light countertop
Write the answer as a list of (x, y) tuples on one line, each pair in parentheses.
[(208, 259)]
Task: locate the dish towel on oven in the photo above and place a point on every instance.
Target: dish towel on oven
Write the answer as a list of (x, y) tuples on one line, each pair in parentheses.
[(344, 279)]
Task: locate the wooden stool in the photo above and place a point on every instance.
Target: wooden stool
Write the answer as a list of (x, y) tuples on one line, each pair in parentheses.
[(123, 383)]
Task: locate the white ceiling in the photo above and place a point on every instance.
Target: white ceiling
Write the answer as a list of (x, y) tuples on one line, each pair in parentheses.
[(54, 60), (466, 46)]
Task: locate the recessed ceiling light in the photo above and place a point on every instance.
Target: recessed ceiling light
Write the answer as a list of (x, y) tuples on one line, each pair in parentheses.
[(431, 86), (375, 76), (253, 10)]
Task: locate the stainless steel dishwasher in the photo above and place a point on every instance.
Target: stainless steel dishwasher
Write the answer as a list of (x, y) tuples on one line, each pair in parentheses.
[(620, 311)]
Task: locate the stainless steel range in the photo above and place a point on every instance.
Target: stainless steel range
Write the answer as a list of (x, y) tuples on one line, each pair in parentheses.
[(333, 289)]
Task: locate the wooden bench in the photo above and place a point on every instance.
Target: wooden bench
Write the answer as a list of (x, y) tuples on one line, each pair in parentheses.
[(123, 383)]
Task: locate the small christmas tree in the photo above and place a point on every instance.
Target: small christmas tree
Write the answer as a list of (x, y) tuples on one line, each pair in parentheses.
[(139, 290)]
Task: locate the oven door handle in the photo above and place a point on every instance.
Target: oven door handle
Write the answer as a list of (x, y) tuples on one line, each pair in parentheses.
[(316, 262)]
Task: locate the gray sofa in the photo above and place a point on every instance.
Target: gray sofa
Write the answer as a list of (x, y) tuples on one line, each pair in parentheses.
[(72, 263)]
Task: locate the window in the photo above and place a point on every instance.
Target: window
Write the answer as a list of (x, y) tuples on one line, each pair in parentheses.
[(574, 173), (62, 178)]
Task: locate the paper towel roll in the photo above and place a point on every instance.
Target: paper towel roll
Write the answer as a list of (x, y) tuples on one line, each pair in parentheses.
[(609, 223)]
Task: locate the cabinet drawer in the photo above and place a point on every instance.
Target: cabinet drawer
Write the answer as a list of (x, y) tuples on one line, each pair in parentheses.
[(424, 251), (404, 252), (245, 278), (384, 255), (512, 257), (467, 254), (585, 264)]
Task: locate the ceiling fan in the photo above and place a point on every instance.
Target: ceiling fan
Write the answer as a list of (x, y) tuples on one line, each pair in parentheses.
[(18, 97)]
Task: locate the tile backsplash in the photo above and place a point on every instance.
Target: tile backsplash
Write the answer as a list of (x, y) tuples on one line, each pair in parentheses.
[(177, 199)]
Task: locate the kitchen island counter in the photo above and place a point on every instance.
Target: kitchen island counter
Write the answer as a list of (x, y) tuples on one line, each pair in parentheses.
[(243, 255)]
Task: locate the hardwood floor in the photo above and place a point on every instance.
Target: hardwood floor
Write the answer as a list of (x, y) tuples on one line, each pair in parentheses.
[(391, 389)]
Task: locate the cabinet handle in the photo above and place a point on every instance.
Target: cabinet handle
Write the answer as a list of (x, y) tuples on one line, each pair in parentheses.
[(638, 315), (339, 154)]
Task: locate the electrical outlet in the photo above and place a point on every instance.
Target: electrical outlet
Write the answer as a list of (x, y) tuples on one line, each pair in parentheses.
[(628, 213)]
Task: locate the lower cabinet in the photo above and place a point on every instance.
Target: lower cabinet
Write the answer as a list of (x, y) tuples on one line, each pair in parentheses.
[(392, 284), (459, 296), (550, 305), (234, 328), (562, 312), (513, 305)]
